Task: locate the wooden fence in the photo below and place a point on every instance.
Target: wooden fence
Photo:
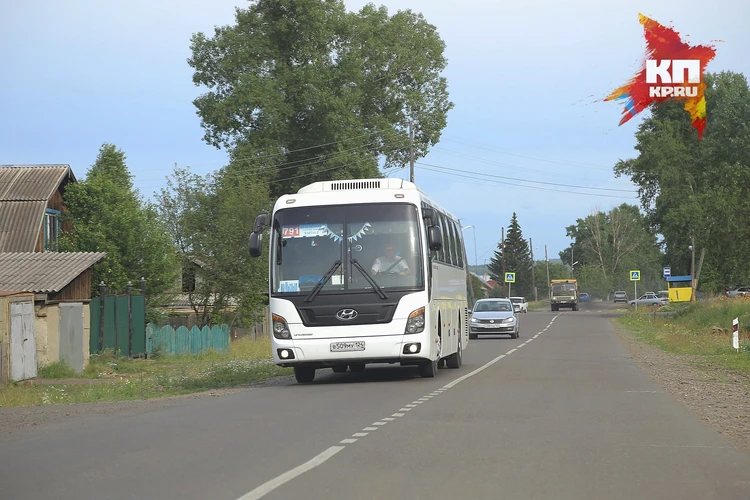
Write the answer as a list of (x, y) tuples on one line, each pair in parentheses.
[(168, 340), (256, 332)]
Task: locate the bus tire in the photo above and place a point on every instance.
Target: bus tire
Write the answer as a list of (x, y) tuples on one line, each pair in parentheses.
[(455, 360), (304, 374), (428, 369)]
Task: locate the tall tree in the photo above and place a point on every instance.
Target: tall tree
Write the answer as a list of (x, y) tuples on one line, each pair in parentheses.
[(302, 90), (699, 188), (210, 219), (108, 215), (607, 245), (517, 260)]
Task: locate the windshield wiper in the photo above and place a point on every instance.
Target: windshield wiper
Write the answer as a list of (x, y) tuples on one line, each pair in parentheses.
[(322, 282), (369, 279)]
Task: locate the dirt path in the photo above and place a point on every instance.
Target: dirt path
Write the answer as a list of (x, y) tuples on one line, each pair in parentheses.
[(718, 397)]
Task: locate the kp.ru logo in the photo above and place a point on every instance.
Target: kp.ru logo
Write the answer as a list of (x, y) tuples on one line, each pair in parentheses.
[(663, 76), (667, 79)]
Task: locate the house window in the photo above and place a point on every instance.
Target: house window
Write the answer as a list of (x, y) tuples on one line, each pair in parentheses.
[(188, 277), (52, 229)]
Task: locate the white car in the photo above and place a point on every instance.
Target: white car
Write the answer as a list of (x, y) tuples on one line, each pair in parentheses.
[(520, 304)]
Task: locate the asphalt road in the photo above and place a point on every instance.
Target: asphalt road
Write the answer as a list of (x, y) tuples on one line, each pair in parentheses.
[(561, 413)]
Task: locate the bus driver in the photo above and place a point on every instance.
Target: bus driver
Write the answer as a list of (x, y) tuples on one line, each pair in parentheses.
[(390, 263)]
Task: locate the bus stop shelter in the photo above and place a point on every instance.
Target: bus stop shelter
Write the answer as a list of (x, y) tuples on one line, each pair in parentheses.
[(680, 288)]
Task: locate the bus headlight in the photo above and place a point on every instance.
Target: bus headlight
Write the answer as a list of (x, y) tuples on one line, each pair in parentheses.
[(415, 323), (280, 328)]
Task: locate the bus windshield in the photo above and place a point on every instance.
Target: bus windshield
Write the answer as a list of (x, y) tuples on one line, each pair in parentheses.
[(381, 240)]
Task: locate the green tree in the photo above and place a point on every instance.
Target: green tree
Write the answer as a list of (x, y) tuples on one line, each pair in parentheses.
[(698, 188), (108, 215), (210, 219), (556, 271), (607, 245), (302, 90), (517, 259)]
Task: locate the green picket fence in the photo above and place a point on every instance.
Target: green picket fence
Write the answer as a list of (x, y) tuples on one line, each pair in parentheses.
[(183, 341)]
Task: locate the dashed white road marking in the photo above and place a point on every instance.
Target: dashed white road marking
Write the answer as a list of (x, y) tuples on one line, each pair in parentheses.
[(388, 419), (275, 483), (266, 488)]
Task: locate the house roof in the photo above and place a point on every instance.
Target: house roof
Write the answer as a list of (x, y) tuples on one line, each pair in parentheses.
[(25, 191), (32, 182), (46, 272)]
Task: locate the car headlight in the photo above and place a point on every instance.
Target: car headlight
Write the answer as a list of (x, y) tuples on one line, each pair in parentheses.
[(509, 320), (474, 320), (415, 323), (280, 327)]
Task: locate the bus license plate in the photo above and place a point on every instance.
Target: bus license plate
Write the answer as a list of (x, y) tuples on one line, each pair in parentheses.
[(347, 346)]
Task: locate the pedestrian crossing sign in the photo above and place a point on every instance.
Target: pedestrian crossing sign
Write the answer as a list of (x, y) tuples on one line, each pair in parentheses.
[(635, 276), (510, 277)]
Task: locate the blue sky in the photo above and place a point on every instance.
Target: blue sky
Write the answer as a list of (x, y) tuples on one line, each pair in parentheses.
[(83, 72)]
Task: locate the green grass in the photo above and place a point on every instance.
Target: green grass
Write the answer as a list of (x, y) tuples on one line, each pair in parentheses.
[(700, 329), (538, 305), (109, 378)]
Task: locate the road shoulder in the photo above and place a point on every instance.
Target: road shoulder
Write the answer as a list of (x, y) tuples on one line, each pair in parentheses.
[(718, 397)]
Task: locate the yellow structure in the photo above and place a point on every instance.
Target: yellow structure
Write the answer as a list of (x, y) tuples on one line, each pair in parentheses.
[(680, 288)]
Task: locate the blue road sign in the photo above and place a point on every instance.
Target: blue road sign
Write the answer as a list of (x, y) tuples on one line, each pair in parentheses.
[(635, 275)]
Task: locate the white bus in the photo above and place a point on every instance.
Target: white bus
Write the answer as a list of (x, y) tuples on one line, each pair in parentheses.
[(364, 271)]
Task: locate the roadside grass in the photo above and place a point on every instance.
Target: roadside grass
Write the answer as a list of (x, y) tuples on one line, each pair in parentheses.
[(700, 329), (538, 305), (109, 378)]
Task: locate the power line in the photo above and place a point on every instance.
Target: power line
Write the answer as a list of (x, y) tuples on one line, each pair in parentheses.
[(528, 180)]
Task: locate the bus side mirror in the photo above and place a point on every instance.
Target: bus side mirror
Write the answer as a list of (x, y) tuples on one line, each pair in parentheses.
[(261, 222), (255, 244), (427, 215), (435, 238)]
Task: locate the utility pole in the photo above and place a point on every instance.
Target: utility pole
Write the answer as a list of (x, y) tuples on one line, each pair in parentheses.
[(533, 277), (503, 250), (571, 262), (411, 150), (547, 261), (692, 267)]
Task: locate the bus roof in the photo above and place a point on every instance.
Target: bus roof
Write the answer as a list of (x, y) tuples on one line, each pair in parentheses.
[(374, 185)]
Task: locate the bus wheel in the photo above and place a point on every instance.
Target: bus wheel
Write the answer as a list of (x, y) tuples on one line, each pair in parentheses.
[(456, 360), (429, 369), (339, 368), (357, 367), (303, 374)]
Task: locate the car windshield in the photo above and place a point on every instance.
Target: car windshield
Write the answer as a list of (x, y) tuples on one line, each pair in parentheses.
[(380, 240), (486, 306)]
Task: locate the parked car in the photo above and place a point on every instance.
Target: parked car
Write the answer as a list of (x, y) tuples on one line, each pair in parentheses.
[(584, 297), (649, 299), (739, 291), (621, 296), (520, 304), (493, 316)]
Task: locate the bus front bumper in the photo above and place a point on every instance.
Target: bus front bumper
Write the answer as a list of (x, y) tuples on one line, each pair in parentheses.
[(324, 353)]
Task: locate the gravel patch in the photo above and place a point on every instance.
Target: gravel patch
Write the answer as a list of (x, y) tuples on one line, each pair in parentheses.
[(718, 397)]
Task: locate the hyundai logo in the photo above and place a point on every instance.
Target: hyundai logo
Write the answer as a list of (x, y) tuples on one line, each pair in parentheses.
[(347, 314)]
